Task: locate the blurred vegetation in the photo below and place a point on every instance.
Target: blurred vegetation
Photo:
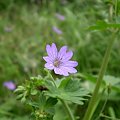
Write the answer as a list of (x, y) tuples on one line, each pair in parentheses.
[(26, 28)]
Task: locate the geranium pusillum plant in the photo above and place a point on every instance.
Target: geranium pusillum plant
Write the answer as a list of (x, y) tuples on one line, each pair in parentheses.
[(59, 61), (9, 85), (46, 89)]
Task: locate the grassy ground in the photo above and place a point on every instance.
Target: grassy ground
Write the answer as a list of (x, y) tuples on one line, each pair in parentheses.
[(25, 31)]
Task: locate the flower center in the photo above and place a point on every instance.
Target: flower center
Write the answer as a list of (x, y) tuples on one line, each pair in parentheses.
[(56, 63)]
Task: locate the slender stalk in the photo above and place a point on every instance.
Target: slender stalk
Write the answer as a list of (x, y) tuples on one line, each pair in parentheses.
[(7, 113), (53, 80), (116, 5), (63, 102), (103, 106), (92, 104), (112, 112), (110, 118), (91, 108), (67, 109)]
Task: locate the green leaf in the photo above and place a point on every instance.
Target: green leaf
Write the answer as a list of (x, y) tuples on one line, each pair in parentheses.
[(23, 100), (113, 81), (34, 92), (69, 90), (19, 89), (102, 25), (33, 103), (42, 100), (19, 96), (50, 102), (108, 79)]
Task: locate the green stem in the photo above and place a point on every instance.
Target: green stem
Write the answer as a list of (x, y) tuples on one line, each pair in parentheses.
[(67, 109), (63, 102), (110, 118), (7, 113), (112, 112), (116, 5), (53, 81), (103, 107), (91, 108)]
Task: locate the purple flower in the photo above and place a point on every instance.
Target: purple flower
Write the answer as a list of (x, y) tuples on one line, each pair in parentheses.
[(8, 29), (60, 17), (10, 85), (58, 31), (60, 61)]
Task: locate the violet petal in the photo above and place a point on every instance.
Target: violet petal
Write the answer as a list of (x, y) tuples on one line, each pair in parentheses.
[(62, 52), (10, 85), (58, 31), (47, 59), (54, 50), (60, 17), (64, 71), (70, 69), (70, 64), (49, 66), (49, 51), (67, 56), (58, 71)]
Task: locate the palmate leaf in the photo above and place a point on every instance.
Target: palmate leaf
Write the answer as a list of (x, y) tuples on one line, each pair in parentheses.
[(113, 81), (102, 25), (69, 90)]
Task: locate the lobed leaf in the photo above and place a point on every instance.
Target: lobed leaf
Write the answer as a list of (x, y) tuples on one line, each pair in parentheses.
[(69, 90), (102, 25)]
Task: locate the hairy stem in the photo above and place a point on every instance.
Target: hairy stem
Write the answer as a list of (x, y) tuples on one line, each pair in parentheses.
[(110, 118), (63, 102), (67, 109), (116, 5), (91, 108), (103, 106)]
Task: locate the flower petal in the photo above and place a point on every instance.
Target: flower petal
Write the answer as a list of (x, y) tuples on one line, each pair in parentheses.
[(62, 52), (57, 30), (57, 71), (54, 50), (70, 69), (49, 66), (47, 59), (70, 64), (49, 50), (10, 85), (67, 56), (64, 71), (61, 71), (60, 17)]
